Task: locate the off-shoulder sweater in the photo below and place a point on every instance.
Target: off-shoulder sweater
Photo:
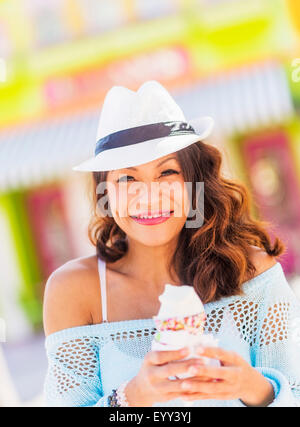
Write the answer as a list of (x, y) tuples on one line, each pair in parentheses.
[(263, 325)]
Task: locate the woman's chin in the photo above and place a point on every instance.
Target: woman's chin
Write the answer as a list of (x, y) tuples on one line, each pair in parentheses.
[(156, 237)]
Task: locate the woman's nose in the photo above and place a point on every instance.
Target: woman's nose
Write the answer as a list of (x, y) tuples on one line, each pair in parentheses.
[(148, 194)]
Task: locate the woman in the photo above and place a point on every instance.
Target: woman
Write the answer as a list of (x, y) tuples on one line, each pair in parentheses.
[(145, 239)]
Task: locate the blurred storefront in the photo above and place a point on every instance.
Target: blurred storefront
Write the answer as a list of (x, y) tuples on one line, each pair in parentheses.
[(231, 59)]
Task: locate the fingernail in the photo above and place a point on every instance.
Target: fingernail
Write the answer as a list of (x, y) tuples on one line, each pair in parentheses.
[(200, 349)]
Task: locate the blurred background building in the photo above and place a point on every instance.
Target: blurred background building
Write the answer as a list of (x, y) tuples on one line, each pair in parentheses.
[(236, 60)]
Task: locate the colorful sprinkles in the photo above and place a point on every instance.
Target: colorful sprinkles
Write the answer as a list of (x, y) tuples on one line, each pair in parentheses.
[(193, 324)]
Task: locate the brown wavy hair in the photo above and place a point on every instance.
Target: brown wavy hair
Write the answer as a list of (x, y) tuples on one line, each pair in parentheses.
[(214, 258)]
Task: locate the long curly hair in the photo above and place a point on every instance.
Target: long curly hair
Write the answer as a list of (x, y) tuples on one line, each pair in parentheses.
[(214, 258)]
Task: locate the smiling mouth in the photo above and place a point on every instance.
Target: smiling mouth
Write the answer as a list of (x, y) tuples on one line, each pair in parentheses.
[(158, 215), (152, 219)]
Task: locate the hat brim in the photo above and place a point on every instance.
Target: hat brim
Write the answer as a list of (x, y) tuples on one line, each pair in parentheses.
[(144, 152)]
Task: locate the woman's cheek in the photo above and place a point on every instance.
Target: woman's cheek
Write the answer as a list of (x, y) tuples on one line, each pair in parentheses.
[(186, 202), (181, 203), (113, 203), (117, 203)]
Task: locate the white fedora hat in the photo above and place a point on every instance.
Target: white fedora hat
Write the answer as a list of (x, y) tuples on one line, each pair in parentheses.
[(138, 127)]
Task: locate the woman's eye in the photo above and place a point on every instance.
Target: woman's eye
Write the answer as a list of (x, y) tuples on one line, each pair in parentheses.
[(125, 178), (170, 172)]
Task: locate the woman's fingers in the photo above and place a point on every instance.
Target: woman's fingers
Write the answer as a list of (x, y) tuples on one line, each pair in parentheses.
[(170, 386), (203, 396), (212, 372), (175, 368), (162, 357), (175, 386), (210, 387), (229, 358)]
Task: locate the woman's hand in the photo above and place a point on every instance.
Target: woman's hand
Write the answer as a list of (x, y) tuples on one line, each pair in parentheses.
[(151, 384), (235, 379)]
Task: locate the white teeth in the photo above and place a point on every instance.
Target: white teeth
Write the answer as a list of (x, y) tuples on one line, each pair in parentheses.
[(153, 216), (150, 216)]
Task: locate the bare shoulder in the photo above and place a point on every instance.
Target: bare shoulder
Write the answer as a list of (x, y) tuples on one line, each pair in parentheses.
[(69, 294), (261, 260)]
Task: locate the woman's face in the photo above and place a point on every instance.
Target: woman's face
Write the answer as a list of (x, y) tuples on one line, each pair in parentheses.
[(149, 202)]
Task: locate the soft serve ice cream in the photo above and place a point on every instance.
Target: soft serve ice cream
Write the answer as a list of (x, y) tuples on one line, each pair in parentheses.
[(180, 322)]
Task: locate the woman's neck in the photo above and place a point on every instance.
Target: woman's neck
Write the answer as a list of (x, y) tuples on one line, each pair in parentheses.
[(149, 264)]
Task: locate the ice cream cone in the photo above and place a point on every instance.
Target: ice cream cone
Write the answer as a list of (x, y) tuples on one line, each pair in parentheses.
[(180, 323)]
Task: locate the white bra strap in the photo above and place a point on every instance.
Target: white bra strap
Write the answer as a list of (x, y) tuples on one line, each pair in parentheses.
[(102, 276)]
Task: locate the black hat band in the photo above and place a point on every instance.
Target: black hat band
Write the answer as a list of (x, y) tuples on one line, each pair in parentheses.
[(142, 133)]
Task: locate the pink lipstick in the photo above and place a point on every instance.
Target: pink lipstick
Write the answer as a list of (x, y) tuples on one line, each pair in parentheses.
[(155, 218)]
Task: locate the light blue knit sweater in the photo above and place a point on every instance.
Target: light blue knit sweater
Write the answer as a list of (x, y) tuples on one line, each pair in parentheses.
[(263, 326)]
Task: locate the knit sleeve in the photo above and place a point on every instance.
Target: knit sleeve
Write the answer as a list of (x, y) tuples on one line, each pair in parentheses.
[(276, 342), (73, 375)]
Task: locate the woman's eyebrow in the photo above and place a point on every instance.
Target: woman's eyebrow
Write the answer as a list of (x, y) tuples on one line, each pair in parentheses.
[(159, 164), (134, 169), (166, 160)]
